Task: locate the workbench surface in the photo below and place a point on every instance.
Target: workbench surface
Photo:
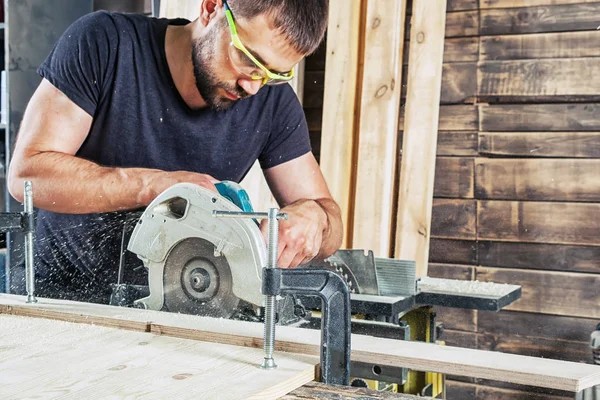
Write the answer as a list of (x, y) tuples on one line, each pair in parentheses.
[(315, 390)]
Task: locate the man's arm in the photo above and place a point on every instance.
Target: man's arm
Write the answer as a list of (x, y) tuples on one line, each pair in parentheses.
[(314, 228), (52, 130)]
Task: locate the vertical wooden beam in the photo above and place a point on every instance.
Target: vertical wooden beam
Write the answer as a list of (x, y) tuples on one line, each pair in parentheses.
[(420, 132), (378, 127), (189, 9), (339, 104)]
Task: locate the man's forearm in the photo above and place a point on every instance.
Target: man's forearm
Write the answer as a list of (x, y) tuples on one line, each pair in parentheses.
[(334, 231), (67, 184)]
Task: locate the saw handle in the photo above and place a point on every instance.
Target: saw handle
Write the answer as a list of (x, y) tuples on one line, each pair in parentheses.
[(234, 192), (335, 322)]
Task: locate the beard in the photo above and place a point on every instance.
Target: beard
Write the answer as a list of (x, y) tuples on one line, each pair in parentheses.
[(207, 82)]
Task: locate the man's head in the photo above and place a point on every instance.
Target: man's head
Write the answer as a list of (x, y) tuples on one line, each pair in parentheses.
[(272, 37)]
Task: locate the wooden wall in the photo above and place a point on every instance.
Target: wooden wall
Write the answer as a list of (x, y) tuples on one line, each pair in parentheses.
[(517, 191)]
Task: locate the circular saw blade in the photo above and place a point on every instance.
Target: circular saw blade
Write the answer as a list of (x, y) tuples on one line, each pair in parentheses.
[(195, 281)]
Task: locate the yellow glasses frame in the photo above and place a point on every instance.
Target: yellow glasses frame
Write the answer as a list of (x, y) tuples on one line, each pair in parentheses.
[(271, 78)]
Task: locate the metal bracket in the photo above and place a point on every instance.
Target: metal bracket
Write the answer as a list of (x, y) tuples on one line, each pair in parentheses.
[(335, 322)]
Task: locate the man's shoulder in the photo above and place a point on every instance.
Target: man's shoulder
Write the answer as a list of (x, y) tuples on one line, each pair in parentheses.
[(111, 24)]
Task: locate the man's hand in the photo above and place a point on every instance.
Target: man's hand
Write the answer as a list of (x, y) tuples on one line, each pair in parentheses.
[(157, 182), (301, 235)]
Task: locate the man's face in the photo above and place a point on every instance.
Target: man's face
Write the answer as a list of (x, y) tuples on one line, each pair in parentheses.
[(218, 80)]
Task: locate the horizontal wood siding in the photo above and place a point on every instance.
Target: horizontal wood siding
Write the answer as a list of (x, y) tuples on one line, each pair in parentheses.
[(517, 184)]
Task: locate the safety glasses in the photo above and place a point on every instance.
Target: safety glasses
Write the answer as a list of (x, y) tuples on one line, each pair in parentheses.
[(245, 63)]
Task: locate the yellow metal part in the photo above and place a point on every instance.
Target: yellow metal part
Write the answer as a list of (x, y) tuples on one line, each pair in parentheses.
[(422, 328)]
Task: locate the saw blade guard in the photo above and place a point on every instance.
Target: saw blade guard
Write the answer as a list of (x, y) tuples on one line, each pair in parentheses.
[(185, 211)]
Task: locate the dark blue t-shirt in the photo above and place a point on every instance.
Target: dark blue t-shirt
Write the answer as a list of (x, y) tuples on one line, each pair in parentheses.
[(115, 68)]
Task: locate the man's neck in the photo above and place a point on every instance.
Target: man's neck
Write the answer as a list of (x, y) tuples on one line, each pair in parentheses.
[(178, 48)]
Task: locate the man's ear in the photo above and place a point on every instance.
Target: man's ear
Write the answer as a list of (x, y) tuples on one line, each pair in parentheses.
[(208, 10)]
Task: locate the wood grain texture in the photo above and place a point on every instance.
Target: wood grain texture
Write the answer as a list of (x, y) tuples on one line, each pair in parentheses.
[(552, 257), (417, 172), (462, 23), (378, 129), (459, 319), (494, 393), (83, 361), (512, 323), (537, 179), (454, 177), (546, 292), (458, 85), (463, 339), (540, 222), (539, 117), (540, 144), (557, 18), (339, 111), (453, 251), (452, 143), (320, 391), (484, 4), (537, 347), (454, 219), (548, 77), (540, 45), (461, 49), (451, 118), (419, 356), (452, 5), (452, 271)]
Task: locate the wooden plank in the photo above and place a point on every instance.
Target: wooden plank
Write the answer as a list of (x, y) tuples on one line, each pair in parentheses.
[(538, 78), (460, 390), (494, 393), (46, 357), (461, 49), (537, 179), (458, 85), (540, 45), (541, 222), (554, 257), (512, 323), (484, 4), (549, 292), (417, 172), (452, 5), (457, 143), (451, 271), (458, 319), (557, 18), (454, 338), (540, 144), (419, 356), (454, 177), (457, 24), (378, 129), (316, 390), (453, 251), (462, 23), (537, 347), (454, 219), (179, 9), (340, 97), (452, 117), (454, 143), (539, 117)]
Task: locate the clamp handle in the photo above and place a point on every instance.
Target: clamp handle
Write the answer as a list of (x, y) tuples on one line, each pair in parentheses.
[(335, 322)]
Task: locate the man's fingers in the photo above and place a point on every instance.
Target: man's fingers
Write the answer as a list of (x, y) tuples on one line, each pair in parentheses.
[(286, 258)]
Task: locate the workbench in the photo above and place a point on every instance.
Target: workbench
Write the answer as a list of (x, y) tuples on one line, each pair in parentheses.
[(236, 346)]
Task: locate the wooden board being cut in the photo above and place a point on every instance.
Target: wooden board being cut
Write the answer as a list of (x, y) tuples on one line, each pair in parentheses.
[(419, 356), (56, 359)]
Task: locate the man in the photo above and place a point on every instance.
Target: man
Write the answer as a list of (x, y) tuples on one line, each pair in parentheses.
[(130, 105)]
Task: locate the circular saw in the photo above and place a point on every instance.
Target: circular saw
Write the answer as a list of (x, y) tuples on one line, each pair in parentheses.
[(199, 264)]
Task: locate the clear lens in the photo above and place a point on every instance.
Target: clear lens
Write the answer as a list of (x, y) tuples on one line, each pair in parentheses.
[(243, 64)]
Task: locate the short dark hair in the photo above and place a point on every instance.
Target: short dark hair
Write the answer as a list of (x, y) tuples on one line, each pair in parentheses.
[(303, 22)]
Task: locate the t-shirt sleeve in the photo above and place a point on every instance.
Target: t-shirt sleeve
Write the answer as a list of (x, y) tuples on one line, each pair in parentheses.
[(289, 136), (78, 64)]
